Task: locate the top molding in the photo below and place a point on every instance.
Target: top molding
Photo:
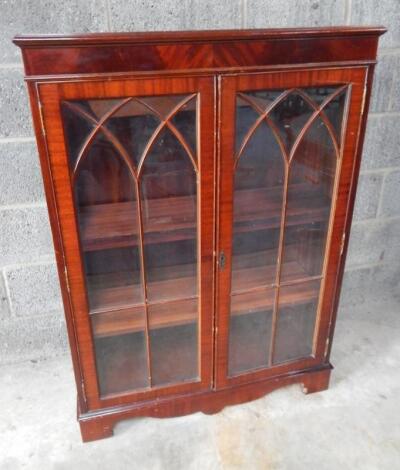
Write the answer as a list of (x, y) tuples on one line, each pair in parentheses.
[(223, 51), (95, 39)]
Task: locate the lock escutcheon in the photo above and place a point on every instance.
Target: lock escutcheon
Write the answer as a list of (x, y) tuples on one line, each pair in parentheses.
[(221, 260)]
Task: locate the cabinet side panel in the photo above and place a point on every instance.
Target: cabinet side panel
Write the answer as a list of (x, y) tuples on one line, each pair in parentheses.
[(49, 97), (57, 240), (347, 204)]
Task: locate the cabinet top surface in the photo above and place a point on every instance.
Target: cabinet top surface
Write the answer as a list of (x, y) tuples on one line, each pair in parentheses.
[(194, 36)]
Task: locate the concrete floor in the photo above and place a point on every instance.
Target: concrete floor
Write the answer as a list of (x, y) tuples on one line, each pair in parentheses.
[(353, 425)]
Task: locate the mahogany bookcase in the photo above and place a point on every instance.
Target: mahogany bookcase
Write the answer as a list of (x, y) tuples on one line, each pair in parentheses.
[(200, 187)]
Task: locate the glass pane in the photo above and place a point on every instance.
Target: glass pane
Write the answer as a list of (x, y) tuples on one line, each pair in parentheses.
[(163, 105), (98, 108), (133, 125), (290, 116), (334, 109), (121, 353), (311, 181), (77, 129), (257, 208), (319, 94), (334, 112), (250, 328), (296, 320), (263, 99), (174, 341), (169, 206), (113, 278), (246, 116), (168, 183), (105, 194), (185, 122)]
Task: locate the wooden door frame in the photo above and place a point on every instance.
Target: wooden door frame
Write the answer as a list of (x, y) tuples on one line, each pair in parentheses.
[(229, 84), (49, 96)]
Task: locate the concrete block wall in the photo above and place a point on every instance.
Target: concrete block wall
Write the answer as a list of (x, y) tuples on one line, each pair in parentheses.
[(31, 318)]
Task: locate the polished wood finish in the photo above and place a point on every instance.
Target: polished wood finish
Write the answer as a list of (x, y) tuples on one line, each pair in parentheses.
[(215, 66), (100, 425), (139, 52)]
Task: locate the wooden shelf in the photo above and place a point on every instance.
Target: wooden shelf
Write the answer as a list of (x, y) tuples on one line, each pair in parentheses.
[(180, 285), (115, 291), (259, 269), (115, 225), (167, 313), (131, 320)]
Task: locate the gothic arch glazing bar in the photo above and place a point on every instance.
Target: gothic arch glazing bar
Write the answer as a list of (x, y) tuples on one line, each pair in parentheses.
[(135, 183), (263, 115), (166, 121), (305, 126), (99, 127)]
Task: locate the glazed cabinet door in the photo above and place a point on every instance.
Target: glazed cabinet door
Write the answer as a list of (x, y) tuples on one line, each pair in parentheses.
[(286, 157), (133, 170)]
